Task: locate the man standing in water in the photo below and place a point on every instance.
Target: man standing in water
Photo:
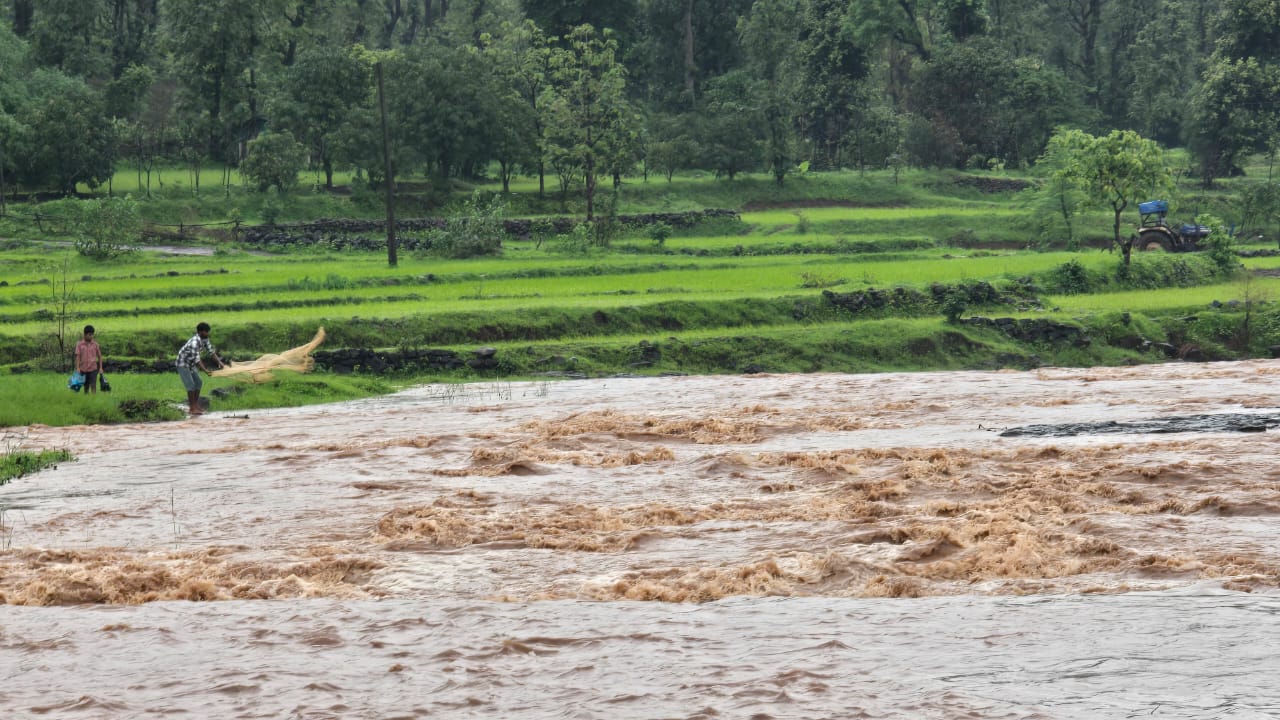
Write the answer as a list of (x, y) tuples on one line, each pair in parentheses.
[(190, 364)]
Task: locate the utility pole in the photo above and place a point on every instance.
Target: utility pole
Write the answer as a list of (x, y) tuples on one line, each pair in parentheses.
[(389, 176)]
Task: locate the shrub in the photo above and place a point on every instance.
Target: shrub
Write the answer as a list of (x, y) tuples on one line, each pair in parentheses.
[(103, 228), (803, 224), (577, 241), (1218, 244), (1260, 207), (1069, 278), (274, 160), (954, 303), (476, 232), (659, 232)]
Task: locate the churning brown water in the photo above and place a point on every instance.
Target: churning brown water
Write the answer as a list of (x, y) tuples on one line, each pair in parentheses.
[(763, 546)]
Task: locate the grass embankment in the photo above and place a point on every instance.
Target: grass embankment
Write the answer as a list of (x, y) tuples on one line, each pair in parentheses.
[(15, 463), (722, 297), (42, 397)]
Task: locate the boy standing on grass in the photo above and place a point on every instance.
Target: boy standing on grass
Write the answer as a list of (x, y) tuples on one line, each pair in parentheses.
[(190, 364), (89, 360)]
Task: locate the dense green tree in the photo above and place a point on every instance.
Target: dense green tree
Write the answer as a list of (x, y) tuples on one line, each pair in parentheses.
[(105, 227), (1237, 109), (833, 66), (68, 139), (71, 35), (990, 104), (671, 143), (13, 95), (876, 128), (1080, 22), (769, 36), (444, 101), (729, 129), (521, 59), (910, 23), (680, 46), (1161, 74), (274, 160), (23, 11), (215, 47), (316, 96), (591, 127), (559, 17), (1022, 25)]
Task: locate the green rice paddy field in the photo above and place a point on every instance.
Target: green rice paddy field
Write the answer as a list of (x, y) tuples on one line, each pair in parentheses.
[(749, 295)]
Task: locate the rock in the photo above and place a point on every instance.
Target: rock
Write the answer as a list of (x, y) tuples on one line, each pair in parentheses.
[(1131, 342)]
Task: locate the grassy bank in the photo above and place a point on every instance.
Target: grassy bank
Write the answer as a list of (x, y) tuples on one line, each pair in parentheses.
[(15, 463), (833, 272)]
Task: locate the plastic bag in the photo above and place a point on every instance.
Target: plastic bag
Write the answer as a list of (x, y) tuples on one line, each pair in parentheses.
[(103, 385), (76, 381)]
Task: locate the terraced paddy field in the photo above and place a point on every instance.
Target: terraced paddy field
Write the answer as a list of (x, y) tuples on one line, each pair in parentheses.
[(872, 277)]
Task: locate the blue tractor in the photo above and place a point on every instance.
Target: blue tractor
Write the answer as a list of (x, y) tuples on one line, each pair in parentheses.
[(1156, 233)]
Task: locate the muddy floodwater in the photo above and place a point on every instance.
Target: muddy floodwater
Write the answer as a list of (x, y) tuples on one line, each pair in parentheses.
[(771, 546)]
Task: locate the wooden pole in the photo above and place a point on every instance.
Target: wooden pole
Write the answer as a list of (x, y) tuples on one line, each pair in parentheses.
[(389, 178)]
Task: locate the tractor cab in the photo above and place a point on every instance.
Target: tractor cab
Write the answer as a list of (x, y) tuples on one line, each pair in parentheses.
[(1153, 212)]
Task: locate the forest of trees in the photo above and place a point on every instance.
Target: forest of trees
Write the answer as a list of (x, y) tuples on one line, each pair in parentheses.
[(578, 92)]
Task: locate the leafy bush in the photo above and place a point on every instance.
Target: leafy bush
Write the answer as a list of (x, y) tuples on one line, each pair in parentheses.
[(659, 232), (576, 241), (1260, 207), (1069, 278), (274, 160), (478, 231), (954, 303), (1159, 270), (102, 228), (1218, 244), (803, 224)]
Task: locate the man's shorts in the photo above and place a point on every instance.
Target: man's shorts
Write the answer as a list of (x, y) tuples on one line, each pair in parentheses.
[(191, 379)]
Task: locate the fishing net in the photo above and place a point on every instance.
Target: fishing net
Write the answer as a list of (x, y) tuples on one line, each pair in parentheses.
[(298, 360)]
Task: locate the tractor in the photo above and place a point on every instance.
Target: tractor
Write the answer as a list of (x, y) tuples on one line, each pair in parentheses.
[(1156, 233)]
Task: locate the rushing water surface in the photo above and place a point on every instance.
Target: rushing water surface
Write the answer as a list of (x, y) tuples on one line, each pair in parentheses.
[(758, 546)]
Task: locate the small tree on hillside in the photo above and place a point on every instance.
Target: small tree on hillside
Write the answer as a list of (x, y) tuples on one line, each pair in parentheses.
[(274, 160), (106, 227), (1061, 194), (61, 312), (1114, 171), (591, 125)]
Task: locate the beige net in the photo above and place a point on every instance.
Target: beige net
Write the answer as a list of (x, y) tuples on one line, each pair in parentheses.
[(298, 360)]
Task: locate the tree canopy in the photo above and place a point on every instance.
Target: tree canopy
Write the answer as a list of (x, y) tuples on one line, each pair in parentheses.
[(478, 87)]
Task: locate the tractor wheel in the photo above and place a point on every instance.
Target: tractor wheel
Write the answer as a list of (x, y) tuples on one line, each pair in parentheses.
[(1155, 241)]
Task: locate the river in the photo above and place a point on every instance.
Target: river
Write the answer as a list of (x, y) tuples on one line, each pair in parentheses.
[(767, 546)]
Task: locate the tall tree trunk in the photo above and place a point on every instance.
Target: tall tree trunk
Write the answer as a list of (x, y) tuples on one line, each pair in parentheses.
[(23, 15), (394, 13), (389, 178), (590, 181), (690, 68)]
